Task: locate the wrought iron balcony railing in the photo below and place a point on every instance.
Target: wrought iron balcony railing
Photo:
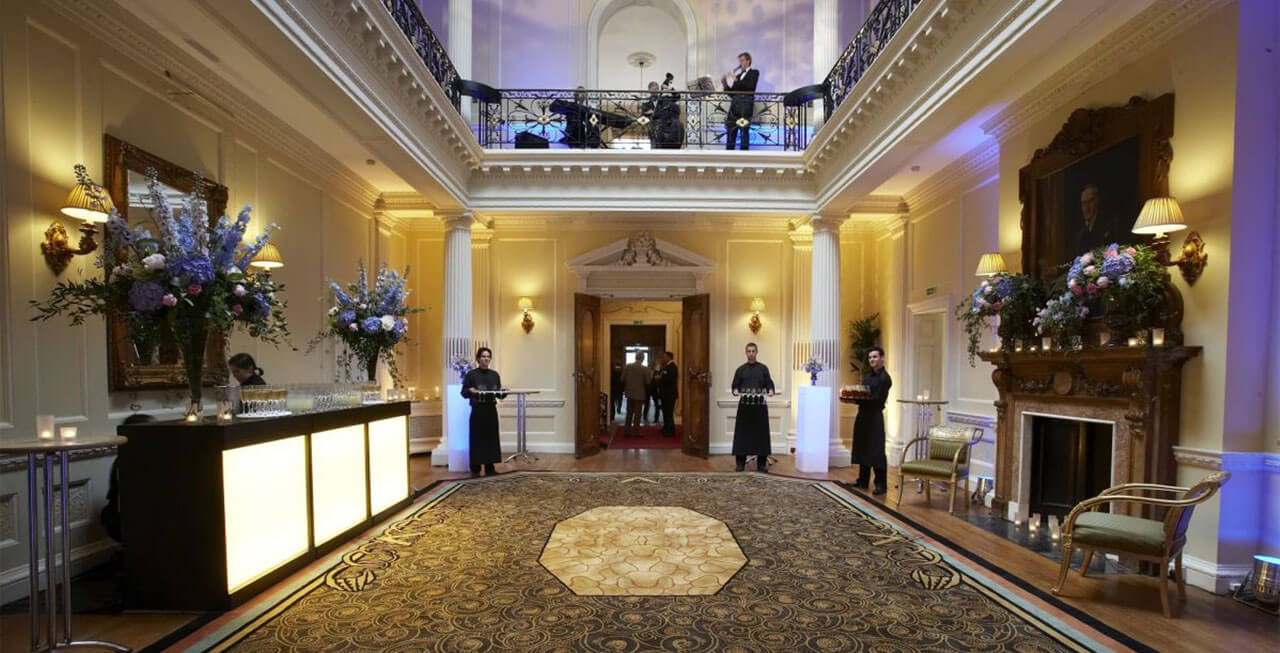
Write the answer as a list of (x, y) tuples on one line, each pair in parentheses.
[(670, 119), (884, 22), (409, 17)]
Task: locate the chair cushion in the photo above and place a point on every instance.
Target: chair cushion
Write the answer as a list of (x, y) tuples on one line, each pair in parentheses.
[(945, 440), (927, 468), (1119, 532)]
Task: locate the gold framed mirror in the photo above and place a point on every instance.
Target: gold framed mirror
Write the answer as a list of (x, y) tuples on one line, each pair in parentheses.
[(154, 363)]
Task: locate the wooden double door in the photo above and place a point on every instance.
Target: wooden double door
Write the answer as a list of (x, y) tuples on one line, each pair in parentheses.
[(695, 374)]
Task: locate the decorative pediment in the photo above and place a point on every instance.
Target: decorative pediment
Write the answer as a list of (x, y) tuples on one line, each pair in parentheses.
[(641, 267)]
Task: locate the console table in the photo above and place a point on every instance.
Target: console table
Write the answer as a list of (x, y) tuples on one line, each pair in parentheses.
[(215, 512)]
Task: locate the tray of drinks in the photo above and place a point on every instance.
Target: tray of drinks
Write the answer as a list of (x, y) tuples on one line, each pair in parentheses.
[(852, 393)]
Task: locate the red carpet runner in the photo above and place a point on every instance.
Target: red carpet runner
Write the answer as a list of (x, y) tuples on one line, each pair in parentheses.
[(647, 437)]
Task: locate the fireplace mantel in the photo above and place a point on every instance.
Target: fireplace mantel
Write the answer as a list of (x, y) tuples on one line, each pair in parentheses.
[(1139, 386)]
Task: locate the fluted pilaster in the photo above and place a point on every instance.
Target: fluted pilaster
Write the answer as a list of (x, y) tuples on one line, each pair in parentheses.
[(457, 291), (481, 292)]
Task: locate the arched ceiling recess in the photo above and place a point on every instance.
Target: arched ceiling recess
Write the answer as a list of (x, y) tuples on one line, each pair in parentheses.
[(605, 9)]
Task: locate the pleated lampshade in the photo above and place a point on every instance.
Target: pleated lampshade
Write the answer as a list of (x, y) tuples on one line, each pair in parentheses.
[(1159, 215), (990, 264), (268, 258), (88, 202)]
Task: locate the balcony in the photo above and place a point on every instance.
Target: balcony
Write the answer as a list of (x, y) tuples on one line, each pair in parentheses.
[(694, 119), (636, 120)]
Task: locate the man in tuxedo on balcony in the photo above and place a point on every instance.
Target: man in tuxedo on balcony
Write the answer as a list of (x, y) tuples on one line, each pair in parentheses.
[(741, 107)]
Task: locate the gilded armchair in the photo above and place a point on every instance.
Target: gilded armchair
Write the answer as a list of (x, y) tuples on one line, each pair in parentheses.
[(947, 460), (1145, 539)]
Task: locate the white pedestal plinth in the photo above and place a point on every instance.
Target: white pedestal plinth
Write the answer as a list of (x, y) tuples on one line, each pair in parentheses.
[(813, 429), (457, 414)]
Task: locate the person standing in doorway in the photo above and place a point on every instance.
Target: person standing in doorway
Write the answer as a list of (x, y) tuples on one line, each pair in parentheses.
[(635, 385), (868, 427), (668, 390), (615, 390), (752, 384)]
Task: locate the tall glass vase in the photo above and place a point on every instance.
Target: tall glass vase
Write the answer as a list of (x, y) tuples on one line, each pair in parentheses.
[(371, 369), (194, 340)]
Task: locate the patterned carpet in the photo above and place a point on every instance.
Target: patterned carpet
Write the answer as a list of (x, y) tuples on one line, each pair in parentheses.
[(825, 571)]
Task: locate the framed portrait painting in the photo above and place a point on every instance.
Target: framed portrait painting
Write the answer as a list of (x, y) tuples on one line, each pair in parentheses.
[(1086, 188)]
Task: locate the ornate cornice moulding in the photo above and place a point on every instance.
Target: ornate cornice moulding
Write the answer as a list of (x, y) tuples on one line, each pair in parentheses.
[(126, 34), (931, 25), (1145, 33), (954, 45)]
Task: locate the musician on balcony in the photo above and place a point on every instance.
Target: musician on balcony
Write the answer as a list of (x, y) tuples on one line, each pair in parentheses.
[(741, 107), (663, 110), (580, 131)]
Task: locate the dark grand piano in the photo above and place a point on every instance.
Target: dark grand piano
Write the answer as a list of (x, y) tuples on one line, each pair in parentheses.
[(580, 130)]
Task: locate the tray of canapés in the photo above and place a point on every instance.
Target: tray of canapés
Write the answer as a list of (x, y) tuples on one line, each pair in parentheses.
[(852, 393)]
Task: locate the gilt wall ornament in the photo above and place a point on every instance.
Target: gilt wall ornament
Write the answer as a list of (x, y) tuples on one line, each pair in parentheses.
[(642, 250)]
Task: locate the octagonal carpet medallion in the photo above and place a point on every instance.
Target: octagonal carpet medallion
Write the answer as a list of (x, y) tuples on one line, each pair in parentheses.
[(542, 561)]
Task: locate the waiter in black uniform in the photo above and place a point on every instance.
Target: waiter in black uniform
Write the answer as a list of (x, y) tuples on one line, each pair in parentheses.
[(868, 427), (485, 448), (751, 427)]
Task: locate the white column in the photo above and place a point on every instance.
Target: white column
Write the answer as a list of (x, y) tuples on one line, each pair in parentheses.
[(826, 46), (824, 320), (459, 45), (457, 324)]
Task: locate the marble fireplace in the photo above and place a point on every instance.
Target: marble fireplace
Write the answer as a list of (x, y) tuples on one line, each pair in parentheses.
[(1136, 390)]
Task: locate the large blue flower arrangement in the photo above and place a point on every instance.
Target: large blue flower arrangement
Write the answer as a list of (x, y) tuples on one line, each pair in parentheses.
[(1124, 283), (370, 320), (1011, 297), (190, 280)]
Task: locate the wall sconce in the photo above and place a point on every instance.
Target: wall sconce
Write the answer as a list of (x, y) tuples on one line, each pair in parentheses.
[(526, 305), (757, 305), (1161, 215), (268, 259), (90, 204), (990, 264)]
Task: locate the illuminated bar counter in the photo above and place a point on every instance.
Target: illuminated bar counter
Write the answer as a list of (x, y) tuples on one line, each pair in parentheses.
[(215, 512)]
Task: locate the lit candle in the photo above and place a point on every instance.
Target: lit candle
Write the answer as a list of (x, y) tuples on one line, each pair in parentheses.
[(919, 397), (413, 393), (437, 394), (1046, 343), (1018, 347), (67, 433), (1133, 342), (44, 426), (1104, 338), (1157, 337)]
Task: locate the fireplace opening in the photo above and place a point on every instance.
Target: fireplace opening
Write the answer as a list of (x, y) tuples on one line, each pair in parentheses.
[(1070, 462)]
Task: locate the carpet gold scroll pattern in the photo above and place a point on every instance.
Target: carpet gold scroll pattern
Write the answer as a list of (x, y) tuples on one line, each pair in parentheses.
[(642, 551), (463, 574)]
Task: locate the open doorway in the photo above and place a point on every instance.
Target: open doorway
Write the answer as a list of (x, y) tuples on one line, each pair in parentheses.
[(635, 331)]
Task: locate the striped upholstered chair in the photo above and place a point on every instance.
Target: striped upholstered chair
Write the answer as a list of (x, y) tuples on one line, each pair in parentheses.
[(947, 460), (1159, 541)]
